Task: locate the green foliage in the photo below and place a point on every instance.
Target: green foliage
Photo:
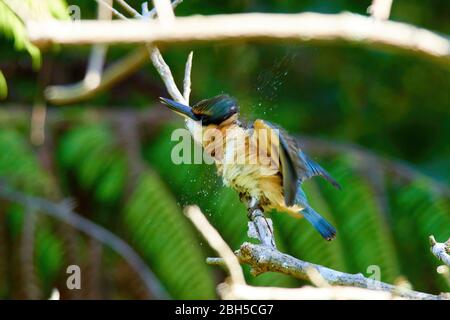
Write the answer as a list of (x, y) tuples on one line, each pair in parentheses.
[(20, 168), (417, 213), (13, 27), (151, 218), (159, 230), (49, 257), (362, 225)]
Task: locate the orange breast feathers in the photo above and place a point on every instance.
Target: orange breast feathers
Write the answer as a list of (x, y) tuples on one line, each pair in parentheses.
[(248, 161)]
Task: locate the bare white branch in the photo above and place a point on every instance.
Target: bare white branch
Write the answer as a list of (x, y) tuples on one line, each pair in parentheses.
[(64, 212), (128, 8), (217, 243), (86, 89), (165, 73), (187, 78), (164, 11), (264, 259), (380, 9), (81, 91), (302, 27), (440, 250)]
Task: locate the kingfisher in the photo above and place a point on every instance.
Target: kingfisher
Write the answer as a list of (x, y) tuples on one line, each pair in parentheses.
[(274, 165)]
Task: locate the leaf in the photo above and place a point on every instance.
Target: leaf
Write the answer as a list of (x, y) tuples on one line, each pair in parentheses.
[(162, 234), (100, 166), (3, 86), (417, 213), (363, 229), (153, 221)]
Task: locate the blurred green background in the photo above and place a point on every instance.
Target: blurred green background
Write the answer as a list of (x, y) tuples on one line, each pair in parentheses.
[(378, 121)]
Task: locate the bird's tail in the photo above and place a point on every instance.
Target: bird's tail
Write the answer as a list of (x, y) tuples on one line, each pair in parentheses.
[(326, 230)]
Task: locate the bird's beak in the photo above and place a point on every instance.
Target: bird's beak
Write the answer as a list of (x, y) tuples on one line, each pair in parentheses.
[(179, 108)]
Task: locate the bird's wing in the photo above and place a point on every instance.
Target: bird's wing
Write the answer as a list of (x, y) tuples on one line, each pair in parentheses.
[(288, 158), (310, 168), (295, 164)]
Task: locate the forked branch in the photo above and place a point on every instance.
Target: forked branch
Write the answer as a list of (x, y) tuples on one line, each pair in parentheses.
[(264, 259)]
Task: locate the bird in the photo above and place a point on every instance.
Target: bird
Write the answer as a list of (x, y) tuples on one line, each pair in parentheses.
[(273, 176)]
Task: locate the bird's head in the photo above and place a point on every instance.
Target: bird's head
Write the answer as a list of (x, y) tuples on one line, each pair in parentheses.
[(214, 111)]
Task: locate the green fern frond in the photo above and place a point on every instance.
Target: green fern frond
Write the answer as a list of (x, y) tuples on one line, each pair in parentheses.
[(100, 166), (417, 213), (20, 168), (362, 227), (13, 28), (161, 233), (157, 227), (303, 241)]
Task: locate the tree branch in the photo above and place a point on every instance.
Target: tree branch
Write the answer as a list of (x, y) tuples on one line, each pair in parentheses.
[(187, 78), (263, 259), (302, 27), (128, 8), (441, 250), (84, 89), (94, 72)]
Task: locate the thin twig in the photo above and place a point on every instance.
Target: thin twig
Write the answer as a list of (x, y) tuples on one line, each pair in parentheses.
[(217, 243), (440, 250), (119, 70), (157, 59), (164, 11), (94, 72), (187, 78), (264, 259)]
